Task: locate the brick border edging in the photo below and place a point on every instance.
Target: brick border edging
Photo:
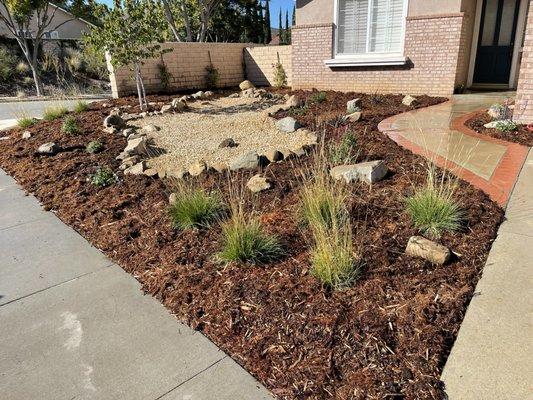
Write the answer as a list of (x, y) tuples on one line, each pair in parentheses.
[(502, 181)]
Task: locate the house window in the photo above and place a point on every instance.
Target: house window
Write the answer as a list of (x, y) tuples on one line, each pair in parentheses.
[(370, 30)]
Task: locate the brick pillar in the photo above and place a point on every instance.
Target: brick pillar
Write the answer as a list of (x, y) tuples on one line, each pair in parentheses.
[(523, 112)]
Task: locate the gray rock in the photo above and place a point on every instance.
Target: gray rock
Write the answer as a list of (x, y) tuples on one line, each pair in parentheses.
[(26, 135), (258, 183), (287, 124), (151, 172), (166, 108), (354, 117), (293, 101), (246, 85), (136, 169), (369, 172), (129, 162), (114, 121), (198, 95), (229, 142), (123, 155), (127, 132), (499, 111), (48, 149), (197, 168), (435, 253), (246, 161), (248, 93), (409, 100), (150, 128), (209, 93), (137, 146), (136, 135), (180, 104), (272, 110), (353, 106), (274, 155)]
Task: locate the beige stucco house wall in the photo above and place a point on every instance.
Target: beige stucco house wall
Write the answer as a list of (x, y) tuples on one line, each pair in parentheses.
[(439, 48), (64, 23)]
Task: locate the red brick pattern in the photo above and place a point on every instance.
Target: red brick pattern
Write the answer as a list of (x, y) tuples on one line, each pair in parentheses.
[(431, 43), (523, 112)]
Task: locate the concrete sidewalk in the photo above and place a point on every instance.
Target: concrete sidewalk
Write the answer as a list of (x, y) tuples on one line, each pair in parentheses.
[(491, 358), (76, 326)]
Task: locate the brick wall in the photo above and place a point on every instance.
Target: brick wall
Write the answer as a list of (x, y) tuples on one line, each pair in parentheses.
[(186, 63), (260, 63), (523, 112), (432, 44)]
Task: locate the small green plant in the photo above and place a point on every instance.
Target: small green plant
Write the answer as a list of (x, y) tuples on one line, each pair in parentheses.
[(70, 126), (94, 146), (22, 68), (53, 113), (432, 207), (103, 177), (298, 111), (194, 208), (81, 106), (8, 62), (244, 240), (317, 97), (506, 125), (164, 75), (26, 122), (344, 152), (280, 76)]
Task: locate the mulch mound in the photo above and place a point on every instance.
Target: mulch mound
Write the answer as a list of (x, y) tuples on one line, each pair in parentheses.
[(521, 136), (388, 336)]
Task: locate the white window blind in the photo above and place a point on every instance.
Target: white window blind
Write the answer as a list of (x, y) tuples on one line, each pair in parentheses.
[(370, 26)]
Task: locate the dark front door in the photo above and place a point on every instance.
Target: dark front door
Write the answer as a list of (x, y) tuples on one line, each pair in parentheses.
[(496, 41)]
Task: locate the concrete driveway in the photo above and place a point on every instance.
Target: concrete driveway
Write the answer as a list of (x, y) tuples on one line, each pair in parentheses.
[(10, 112)]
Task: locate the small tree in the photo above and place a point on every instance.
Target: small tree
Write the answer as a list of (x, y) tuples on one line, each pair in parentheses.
[(130, 33), (17, 15), (266, 24)]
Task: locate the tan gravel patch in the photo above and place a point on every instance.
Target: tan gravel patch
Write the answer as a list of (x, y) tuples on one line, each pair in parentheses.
[(195, 135)]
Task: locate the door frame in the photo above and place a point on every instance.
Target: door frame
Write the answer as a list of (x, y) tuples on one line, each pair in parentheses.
[(519, 36)]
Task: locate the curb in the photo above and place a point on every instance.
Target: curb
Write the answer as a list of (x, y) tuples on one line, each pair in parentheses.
[(53, 98)]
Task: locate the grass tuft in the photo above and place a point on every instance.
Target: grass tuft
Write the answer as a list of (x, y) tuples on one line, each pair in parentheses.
[(194, 208), (26, 122), (433, 209), (94, 146), (317, 97), (244, 240), (70, 126), (81, 106), (53, 113), (344, 152)]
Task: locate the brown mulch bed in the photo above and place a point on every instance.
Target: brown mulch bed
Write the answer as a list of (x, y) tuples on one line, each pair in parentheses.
[(388, 336), (521, 136)]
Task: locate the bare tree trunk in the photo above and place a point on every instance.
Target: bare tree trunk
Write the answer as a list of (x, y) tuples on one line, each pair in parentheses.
[(31, 57), (186, 20), (170, 20), (138, 83)]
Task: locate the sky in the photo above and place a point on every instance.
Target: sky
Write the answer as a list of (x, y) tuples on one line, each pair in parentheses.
[(275, 5)]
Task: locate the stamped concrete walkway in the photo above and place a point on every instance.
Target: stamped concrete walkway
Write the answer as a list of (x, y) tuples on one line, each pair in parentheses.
[(491, 357), (439, 134), (73, 325)]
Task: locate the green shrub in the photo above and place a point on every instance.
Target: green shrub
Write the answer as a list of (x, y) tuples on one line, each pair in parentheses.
[(506, 125), (298, 111), (70, 126), (26, 122), (432, 208), (8, 61), (103, 177), (53, 113), (344, 152), (194, 208), (280, 77), (22, 68), (94, 146), (164, 76), (212, 77), (244, 240), (317, 97), (81, 106)]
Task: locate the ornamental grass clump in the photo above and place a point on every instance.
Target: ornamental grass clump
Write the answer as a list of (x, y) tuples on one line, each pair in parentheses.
[(103, 177), (70, 126), (432, 207), (81, 106), (195, 208), (244, 240), (344, 152), (53, 113), (26, 122), (94, 146), (317, 97)]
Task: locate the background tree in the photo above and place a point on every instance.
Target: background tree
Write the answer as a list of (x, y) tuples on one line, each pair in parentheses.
[(17, 15), (293, 15), (287, 28), (130, 33), (266, 24), (281, 34)]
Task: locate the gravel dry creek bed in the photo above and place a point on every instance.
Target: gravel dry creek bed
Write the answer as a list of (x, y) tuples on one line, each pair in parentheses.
[(196, 133), (386, 337)]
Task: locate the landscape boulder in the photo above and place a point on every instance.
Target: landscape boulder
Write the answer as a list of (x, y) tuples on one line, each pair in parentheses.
[(197, 168), (150, 172), (293, 101), (369, 172), (248, 93), (180, 104), (245, 161), (48, 149), (409, 100), (229, 142), (274, 155), (166, 108), (127, 132), (354, 117), (498, 112), (287, 124), (209, 93), (435, 253), (353, 106), (113, 121), (136, 169), (150, 128), (258, 183), (198, 95), (246, 85), (137, 146)]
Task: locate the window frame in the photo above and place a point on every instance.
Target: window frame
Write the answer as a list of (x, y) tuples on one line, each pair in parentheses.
[(370, 58)]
